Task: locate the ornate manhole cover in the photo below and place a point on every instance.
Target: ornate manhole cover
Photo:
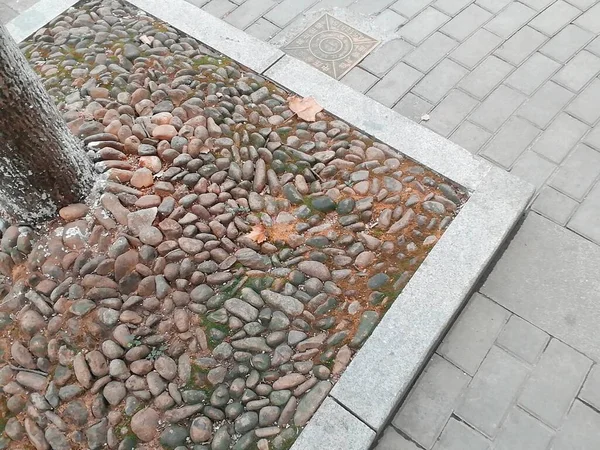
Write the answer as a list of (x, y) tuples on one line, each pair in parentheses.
[(331, 46)]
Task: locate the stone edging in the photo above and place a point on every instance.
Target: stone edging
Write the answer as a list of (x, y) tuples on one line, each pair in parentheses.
[(385, 367)]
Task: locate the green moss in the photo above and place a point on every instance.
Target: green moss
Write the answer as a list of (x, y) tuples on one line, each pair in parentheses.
[(284, 133), (160, 26), (129, 442), (377, 232), (287, 443), (208, 324), (232, 287), (198, 381)]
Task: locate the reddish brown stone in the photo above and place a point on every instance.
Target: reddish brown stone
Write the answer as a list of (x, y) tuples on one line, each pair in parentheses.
[(164, 132), (73, 212), (125, 264)]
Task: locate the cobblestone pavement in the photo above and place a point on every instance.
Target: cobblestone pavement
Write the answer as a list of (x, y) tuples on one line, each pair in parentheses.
[(515, 83)]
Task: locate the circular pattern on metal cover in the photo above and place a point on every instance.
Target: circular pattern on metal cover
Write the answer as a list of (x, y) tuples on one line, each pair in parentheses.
[(331, 45)]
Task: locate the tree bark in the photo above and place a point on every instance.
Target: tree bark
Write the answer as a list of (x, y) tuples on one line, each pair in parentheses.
[(42, 165)]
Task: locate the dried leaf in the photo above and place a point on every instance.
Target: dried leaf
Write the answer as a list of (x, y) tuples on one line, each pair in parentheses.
[(306, 108), (258, 234)]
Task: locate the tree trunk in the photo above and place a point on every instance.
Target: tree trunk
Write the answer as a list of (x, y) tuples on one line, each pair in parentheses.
[(42, 165)]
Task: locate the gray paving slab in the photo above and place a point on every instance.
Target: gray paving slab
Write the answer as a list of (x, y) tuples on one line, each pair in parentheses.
[(473, 334), (413, 107), (538, 5), (498, 107), (584, 106), (248, 12), (593, 138), (430, 403), (466, 22), (395, 84), (532, 73), (389, 21), (580, 431), (594, 46), (431, 51), (578, 71), (522, 431), (322, 5), (554, 205), (359, 79), (369, 7), (583, 5), (590, 20), (578, 172), (287, 10), (486, 77), (533, 168), (562, 292), (566, 43), (521, 45), (410, 8), (560, 137), (492, 391), (384, 57), (450, 112), (554, 18), (590, 392), (585, 221), (198, 3), (508, 144), (523, 339), (459, 436), (554, 383), (470, 136), (263, 29), (475, 48), (219, 8), (545, 104), (494, 6), (510, 19), (392, 440), (6, 13), (451, 7), (422, 25), (437, 83)]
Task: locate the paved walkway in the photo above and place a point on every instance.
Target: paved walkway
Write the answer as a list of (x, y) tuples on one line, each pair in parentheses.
[(515, 83)]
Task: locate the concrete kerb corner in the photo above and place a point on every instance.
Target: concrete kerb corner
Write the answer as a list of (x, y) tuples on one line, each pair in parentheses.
[(357, 409), (34, 18)]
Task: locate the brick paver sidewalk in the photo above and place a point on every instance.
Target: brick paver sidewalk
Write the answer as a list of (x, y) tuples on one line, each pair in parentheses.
[(516, 83)]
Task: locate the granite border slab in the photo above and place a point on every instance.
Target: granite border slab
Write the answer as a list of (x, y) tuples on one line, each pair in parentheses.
[(337, 428), (36, 17), (357, 408)]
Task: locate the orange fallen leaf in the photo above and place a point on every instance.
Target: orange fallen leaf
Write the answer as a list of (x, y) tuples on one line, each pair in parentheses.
[(258, 234), (306, 108)]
